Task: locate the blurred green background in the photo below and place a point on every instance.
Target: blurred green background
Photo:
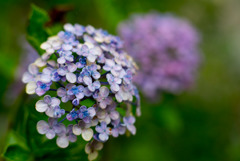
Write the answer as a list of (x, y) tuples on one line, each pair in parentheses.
[(199, 125)]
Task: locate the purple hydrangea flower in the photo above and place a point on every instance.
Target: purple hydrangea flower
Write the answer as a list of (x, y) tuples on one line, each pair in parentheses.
[(86, 114), (115, 69), (51, 128), (77, 91), (62, 92), (42, 88), (166, 48), (66, 137), (50, 74), (92, 86), (64, 56), (72, 115), (128, 122), (118, 128), (103, 98), (47, 105), (103, 131), (114, 82), (31, 75), (58, 112)]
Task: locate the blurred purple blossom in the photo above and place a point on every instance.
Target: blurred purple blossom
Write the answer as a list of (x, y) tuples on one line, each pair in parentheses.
[(166, 48)]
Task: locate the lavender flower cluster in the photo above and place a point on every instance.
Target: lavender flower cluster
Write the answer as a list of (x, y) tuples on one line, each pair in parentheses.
[(166, 49), (84, 64)]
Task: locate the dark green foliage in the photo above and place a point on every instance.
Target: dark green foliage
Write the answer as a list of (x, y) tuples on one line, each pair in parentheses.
[(36, 32)]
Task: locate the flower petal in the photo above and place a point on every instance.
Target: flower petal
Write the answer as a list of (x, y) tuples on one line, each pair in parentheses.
[(87, 134), (62, 141), (50, 134), (77, 130), (72, 78), (41, 106), (93, 155), (42, 127), (31, 87)]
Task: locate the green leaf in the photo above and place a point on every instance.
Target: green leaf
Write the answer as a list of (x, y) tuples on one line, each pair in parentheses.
[(88, 102), (17, 153), (36, 32), (16, 148), (121, 111)]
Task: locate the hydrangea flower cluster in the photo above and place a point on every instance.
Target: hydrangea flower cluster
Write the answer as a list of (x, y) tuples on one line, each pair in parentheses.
[(82, 66), (166, 49)]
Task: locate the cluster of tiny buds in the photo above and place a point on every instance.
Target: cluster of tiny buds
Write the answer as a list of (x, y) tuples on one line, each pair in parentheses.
[(85, 80)]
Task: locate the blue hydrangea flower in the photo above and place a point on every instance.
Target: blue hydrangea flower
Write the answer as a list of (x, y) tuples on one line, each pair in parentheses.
[(83, 64), (64, 56), (86, 114), (76, 91), (42, 88), (72, 115), (58, 112)]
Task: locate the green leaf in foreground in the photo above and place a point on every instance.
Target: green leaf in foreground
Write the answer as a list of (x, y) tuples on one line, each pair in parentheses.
[(16, 148), (36, 32)]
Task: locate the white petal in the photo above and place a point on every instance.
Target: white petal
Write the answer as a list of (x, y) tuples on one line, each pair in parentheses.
[(42, 127), (61, 60), (62, 141), (72, 67), (27, 77), (40, 63), (55, 102), (45, 78), (41, 106), (77, 130), (33, 69), (104, 91), (45, 45), (30, 87), (110, 62), (87, 80), (71, 77), (69, 27), (50, 51), (87, 134), (50, 134), (91, 58), (50, 112)]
